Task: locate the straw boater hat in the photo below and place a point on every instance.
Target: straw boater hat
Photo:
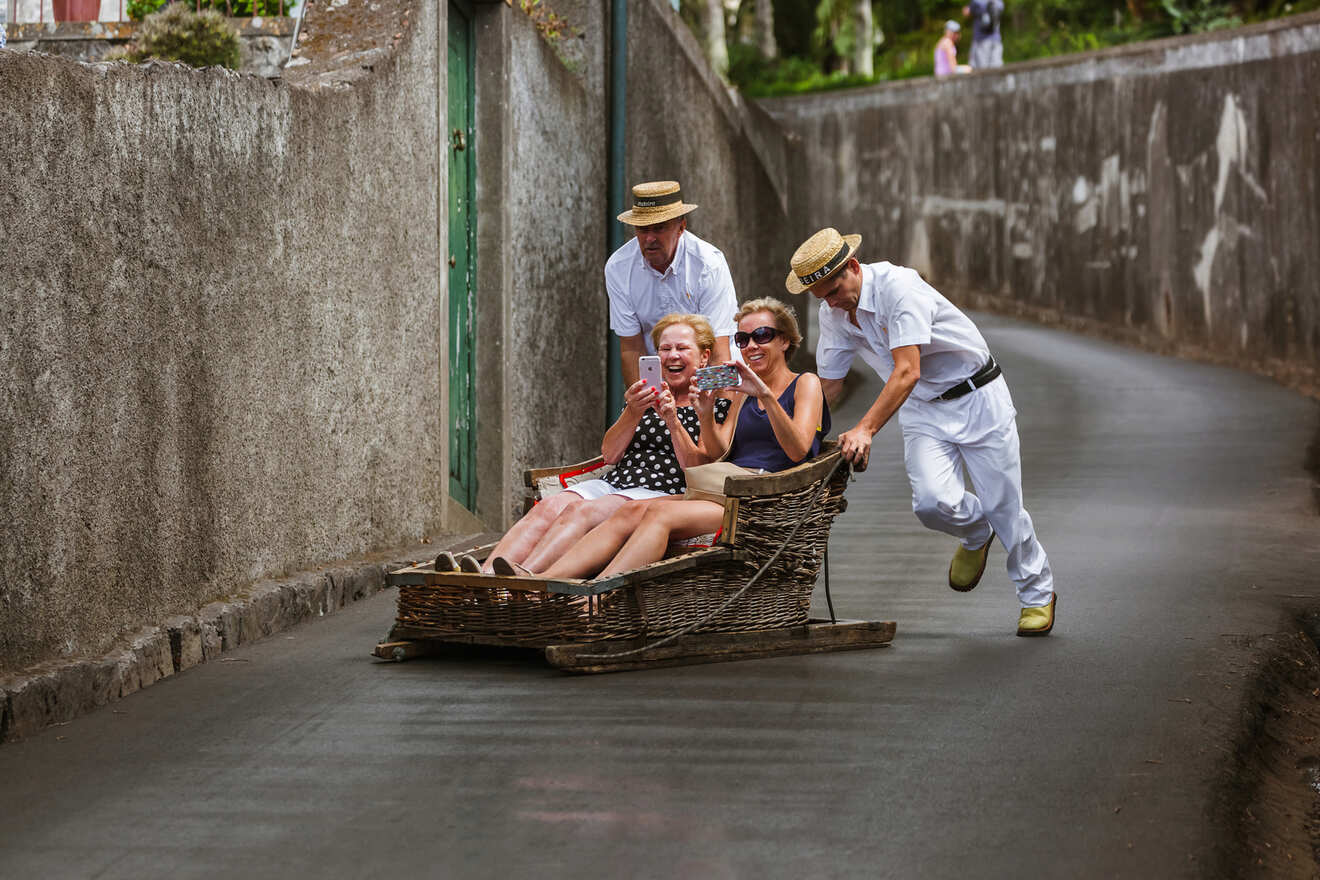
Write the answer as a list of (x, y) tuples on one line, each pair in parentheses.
[(656, 202), (819, 257)]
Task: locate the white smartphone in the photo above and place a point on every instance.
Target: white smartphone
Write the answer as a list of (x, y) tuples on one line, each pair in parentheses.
[(648, 368)]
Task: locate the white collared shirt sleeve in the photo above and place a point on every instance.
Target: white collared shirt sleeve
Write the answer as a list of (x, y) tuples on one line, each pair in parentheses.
[(623, 318), (834, 352), (910, 320), (716, 298)]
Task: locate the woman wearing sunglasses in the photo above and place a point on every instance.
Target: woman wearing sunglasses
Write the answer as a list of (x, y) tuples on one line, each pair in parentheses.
[(781, 419)]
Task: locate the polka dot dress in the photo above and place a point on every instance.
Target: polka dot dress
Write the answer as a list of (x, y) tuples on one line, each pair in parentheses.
[(649, 461)]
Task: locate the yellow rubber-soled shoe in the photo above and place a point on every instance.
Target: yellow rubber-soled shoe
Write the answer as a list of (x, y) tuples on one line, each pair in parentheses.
[(1037, 621), (968, 565)]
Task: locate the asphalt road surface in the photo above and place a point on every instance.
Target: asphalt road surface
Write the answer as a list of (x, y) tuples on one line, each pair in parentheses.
[(1172, 501)]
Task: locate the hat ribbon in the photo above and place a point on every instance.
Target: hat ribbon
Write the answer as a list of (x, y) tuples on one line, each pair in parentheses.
[(657, 201), (833, 263)]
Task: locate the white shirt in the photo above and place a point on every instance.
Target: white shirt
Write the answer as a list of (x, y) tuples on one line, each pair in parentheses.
[(697, 281), (896, 308)]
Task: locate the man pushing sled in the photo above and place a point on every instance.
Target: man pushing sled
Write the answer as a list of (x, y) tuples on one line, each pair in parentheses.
[(951, 400)]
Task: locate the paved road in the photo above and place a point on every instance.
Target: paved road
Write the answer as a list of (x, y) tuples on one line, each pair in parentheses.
[(1173, 504)]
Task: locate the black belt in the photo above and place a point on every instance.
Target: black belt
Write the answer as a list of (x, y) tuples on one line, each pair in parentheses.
[(984, 376)]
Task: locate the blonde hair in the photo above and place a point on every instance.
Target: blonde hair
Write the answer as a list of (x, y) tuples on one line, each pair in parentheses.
[(785, 319), (700, 328)]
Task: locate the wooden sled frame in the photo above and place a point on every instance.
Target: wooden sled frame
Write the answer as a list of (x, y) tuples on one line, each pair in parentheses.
[(583, 625)]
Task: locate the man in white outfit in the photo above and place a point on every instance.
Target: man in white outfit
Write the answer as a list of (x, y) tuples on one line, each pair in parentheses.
[(662, 269), (951, 401)]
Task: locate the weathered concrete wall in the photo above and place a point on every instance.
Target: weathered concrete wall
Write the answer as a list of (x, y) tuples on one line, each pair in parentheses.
[(684, 124), (221, 348), (541, 311), (1169, 192), (558, 313)]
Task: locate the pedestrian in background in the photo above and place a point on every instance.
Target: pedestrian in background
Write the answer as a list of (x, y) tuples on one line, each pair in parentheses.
[(987, 44), (946, 51)]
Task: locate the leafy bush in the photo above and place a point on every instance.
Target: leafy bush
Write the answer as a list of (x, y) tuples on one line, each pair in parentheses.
[(244, 8), (140, 9), (1200, 15), (176, 33)]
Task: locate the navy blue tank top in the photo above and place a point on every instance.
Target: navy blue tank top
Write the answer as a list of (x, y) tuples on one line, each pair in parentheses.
[(754, 444)]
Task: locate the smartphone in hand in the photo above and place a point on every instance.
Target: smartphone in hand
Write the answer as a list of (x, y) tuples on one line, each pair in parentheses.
[(718, 376), (648, 368)]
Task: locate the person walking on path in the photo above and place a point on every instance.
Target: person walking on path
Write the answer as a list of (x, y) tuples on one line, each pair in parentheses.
[(662, 270), (946, 51), (952, 402), (987, 44)]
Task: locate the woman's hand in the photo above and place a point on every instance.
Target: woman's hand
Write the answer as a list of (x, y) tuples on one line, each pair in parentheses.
[(667, 407), (704, 403), (640, 397), (751, 384)]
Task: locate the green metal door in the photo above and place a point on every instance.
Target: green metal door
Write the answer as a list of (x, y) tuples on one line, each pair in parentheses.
[(462, 261)]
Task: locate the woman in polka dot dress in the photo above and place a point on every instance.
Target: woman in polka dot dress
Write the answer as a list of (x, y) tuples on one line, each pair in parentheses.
[(653, 440)]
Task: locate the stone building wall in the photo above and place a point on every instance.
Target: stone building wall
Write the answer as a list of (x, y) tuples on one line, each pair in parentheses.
[(220, 329)]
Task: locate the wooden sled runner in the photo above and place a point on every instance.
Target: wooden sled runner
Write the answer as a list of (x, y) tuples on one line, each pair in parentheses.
[(694, 607)]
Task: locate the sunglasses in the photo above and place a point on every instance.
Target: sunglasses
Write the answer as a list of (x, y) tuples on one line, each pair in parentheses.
[(761, 335)]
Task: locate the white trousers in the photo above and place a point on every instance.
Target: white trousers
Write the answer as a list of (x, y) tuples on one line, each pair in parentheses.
[(977, 431)]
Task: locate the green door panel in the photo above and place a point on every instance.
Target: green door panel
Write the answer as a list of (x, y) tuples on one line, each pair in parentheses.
[(461, 260)]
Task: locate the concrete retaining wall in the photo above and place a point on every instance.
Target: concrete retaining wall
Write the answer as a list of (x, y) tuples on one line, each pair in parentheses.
[(220, 334), (1166, 192), (558, 314)]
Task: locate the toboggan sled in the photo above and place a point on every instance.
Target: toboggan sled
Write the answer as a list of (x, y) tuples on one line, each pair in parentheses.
[(695, 606)]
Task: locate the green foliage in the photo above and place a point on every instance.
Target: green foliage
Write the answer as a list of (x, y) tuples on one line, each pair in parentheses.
[(137, 10), (759, 77), (244, 8), (549, 24), (836, 29), (140, 9), (177, 33), (1200, 15), (556, 31)]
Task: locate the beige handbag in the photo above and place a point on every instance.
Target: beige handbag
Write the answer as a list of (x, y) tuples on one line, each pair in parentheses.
[(705, 482)]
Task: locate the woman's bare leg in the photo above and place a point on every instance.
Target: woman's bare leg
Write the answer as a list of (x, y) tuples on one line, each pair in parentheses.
[(519, 540), (597, 546), (569, 528), (662, 523)]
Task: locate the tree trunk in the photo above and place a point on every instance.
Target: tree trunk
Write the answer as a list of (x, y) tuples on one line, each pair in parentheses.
[(765, 28), (864, 48), (717, 50)]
